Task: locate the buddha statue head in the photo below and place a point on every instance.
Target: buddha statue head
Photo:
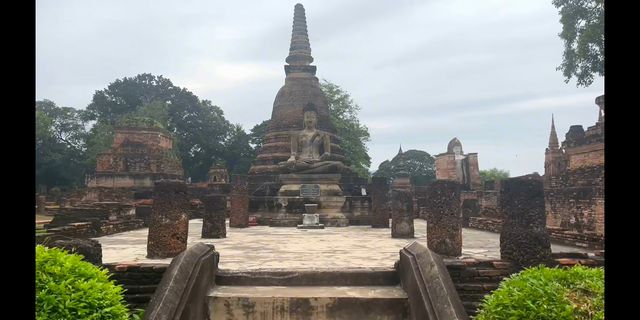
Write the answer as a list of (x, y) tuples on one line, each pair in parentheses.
[(310, 117)]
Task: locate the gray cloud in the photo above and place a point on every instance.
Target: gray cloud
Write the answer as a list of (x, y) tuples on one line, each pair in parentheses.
[(422, 71)]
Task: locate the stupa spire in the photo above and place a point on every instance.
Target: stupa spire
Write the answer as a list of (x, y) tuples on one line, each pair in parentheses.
[(400, 151), (300, 49), (553, 137)]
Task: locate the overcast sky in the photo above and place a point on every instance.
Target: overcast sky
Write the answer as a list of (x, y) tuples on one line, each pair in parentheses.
[(422, 72)]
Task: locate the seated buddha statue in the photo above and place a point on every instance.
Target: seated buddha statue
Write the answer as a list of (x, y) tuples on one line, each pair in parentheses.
[(311, 149)]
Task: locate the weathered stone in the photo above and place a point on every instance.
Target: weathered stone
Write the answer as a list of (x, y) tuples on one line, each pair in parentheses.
[(185, 284), (89, 248), (425, 278), (574, 178), (239, 215), (401, 214), (215, 211), (41, 202), (524, 239), (169, 223), (470, 208), (141, 154), (444, 218), (379, 202)]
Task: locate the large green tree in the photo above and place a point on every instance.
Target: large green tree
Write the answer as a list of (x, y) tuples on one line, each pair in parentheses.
[(198, 127), (583, 36), (419, 164), (493, 174), (238, 152), (353, 135), (60, 146)]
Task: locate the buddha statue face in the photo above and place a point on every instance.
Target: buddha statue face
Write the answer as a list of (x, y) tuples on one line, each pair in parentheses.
[(457, 150), (310, 120)]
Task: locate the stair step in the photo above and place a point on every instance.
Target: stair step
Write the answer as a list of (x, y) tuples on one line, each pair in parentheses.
[(327, 277), (308, 302)]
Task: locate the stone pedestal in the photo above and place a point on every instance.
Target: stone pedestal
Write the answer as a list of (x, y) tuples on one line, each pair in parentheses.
[(321, 189), (239, 215), (524, 239), (401, 214), (310, 221), (213, 221), (444, 218), (379, 202), (169, 221)]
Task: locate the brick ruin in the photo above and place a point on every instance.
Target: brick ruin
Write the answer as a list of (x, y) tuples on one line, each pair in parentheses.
[(272, 185), (574, 181), (138, 157), (456, 166)]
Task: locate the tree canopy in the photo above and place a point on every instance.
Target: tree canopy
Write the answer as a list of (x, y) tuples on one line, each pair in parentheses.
[(60, 145), (198, 127), (583, 36), (419, 164), (353, 135), (493, 174)]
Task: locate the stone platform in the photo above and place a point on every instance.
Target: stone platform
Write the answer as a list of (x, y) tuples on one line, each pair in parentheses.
[(263, 247)]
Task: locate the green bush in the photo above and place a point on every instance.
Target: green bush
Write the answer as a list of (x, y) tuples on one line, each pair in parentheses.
[(547, 293), (69, 288)]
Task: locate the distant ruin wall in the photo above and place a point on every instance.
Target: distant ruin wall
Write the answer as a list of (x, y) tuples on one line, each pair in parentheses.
[(574, 200)]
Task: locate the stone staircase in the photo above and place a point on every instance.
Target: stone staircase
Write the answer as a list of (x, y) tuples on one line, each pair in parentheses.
[(313, 294)]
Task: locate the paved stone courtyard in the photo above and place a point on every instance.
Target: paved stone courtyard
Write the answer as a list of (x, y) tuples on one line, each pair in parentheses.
[(263, 247)]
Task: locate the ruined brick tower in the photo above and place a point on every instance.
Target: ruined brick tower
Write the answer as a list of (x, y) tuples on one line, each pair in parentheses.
[(300, 89), (454, 165), (574, 178)]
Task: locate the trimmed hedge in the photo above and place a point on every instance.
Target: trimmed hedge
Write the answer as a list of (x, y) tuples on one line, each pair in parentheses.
[(68, 287), (547, 293)]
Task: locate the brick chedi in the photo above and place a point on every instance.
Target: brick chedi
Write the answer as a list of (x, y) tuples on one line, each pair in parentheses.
[(141, 153), (301, 89), (524, 239), (169, 221), (574, 179), (444, 218), (456, 166)]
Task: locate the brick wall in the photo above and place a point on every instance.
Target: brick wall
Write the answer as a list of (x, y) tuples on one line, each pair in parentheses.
[(589, 240), (574, 200), (139, 280)]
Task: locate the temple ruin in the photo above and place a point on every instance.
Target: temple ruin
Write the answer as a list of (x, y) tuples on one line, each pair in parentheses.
[(301, 161), (141, 153), (574, 182)]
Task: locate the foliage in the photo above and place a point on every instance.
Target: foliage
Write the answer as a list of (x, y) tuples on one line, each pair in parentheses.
[(99, 139), (583, 36), (60, 145), (353, 135), (257, 134), (419, 164), (493, 174), (547, 293), (238, 153), (69, 288), (198, 127)]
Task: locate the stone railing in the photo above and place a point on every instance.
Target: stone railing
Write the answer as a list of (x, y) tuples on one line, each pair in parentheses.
[(425, 278), (181, 294)]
